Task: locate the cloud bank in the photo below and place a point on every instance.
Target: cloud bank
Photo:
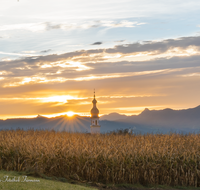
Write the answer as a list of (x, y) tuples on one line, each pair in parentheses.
[(45, 26), (153, 73)]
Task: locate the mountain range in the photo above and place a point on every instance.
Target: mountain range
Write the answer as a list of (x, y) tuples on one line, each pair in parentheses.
[(148, 121)]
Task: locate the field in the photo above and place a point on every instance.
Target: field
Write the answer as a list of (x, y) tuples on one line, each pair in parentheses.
[(172, 159), (35, 183)]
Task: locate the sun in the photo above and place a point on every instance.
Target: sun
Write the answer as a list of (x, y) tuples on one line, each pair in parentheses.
[(70, 113)]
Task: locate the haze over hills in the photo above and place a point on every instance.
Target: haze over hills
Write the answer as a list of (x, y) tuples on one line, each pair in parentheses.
[(113, 116), (60, 123), (148, 121), (187, 118)]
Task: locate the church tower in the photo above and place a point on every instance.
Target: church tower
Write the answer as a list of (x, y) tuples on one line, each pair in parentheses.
[(94, 127)]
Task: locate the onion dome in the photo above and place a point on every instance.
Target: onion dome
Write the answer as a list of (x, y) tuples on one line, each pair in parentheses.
[(94, 101), (94, 111)]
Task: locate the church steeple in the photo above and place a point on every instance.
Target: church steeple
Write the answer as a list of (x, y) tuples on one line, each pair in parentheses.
[(94, 111), (95, 127)]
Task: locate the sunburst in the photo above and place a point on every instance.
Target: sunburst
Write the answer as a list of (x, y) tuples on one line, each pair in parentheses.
[(70, 113)]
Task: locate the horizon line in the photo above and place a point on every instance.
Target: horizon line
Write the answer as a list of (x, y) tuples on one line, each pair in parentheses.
[(80, 114)]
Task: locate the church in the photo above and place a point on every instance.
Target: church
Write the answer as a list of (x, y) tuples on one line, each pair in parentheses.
[(94, 127)]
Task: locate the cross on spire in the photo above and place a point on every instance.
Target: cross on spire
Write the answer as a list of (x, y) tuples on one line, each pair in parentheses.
[(94, 92)]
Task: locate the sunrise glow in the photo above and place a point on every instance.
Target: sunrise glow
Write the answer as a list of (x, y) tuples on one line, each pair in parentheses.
[(70, 113), (136, 54)]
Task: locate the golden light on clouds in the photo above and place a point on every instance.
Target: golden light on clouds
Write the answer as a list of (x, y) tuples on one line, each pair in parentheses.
[(78, 66), (33, 80), (51, 99), (19, 81), (137, 56), (62, 99), (128, 78), (111, 56), (5, 73), (191, 75)]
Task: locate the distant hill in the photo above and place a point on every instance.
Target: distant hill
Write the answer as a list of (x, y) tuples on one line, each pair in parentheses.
[(60, 123), (186, 120), (70, 124), (148, 121), (113, 117), (168, 118)]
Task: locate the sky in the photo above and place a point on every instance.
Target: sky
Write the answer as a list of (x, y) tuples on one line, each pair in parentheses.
[(136, 54)]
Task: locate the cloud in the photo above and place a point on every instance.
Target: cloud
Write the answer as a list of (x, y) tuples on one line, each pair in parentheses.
[(97, 43), (45, 26), (157, 46), (45, 51), (18, 81), (25, 26), (117, 24), (5, 36), (25, 54), (104, 64), (192, 75), (120, 41), (24, 72), (30, 51)]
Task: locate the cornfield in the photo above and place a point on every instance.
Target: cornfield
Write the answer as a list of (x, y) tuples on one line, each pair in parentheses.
[(172, 159)]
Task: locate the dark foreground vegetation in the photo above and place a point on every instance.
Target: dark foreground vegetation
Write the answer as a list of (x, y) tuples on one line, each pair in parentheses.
[(113, 158)]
